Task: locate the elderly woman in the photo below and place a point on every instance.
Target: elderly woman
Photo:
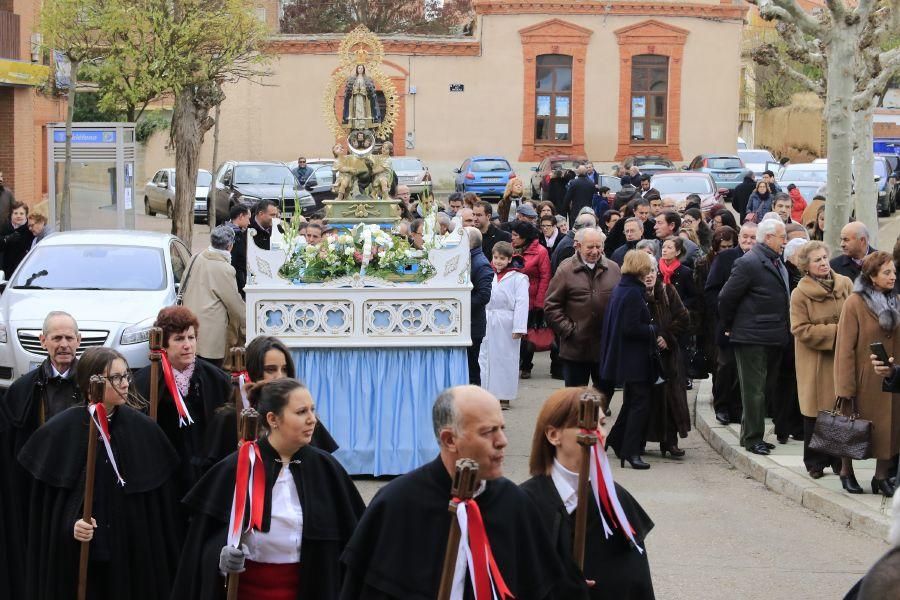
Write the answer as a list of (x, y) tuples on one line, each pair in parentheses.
[(816, 305), (526, 243), (201, 387), (617, 569), (629, 358), (871, 314)]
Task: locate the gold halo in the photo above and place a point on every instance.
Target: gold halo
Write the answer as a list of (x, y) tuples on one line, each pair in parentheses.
[(361, 39)]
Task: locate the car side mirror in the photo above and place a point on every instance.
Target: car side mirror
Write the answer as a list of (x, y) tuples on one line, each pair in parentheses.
[(457, 170), (535, 169), (877, 178)]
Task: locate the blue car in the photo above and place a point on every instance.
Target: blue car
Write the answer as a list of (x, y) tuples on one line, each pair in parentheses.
[(484, 175)]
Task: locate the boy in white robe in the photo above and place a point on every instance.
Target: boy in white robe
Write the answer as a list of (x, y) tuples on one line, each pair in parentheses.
[(507, 324)]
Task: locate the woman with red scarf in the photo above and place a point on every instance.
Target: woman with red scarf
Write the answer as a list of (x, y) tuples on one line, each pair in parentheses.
[(673, 273)]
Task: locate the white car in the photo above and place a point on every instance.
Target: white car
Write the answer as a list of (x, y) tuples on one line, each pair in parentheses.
[(759, 161), (159, 194), (113, 282), (808, 177)]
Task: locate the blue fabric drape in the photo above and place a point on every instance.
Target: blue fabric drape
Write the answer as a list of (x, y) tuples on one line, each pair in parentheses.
[(376, 402)]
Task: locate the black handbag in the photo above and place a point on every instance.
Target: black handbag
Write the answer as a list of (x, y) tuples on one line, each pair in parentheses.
[(839, 435), (698, 363)]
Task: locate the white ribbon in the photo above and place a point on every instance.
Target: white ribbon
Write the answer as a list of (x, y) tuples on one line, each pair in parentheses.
[(464, 559), (92, 409), (606, 473), (234, 539), (242, 381)]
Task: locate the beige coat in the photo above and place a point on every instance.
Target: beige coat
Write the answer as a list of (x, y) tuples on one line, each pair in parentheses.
[(814, 324), (211, 293), (855, 376)]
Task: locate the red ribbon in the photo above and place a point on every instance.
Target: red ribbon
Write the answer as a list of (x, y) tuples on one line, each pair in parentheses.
[(482, 558), (245, 472), (242, 378), (602, 490), (184, 417), (97, 412)]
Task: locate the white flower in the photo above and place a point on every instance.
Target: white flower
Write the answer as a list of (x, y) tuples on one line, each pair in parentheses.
[(348, 251)]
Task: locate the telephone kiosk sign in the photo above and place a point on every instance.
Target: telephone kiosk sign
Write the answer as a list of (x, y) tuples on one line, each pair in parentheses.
[(86, 136)]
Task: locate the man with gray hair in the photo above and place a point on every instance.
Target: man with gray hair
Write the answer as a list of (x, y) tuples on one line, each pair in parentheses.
[(854, 248), (209, 289), (753, 308), (397, 549), (566, 246)]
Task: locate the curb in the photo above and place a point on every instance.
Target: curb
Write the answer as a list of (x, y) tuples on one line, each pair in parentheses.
[(781, 480)]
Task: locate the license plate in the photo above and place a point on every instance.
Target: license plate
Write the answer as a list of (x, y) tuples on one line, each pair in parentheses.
[(287, 214), (408, 179), (728, 175), (490, 179)]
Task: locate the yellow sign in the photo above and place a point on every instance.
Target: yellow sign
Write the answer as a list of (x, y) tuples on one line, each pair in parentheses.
[(22, 73)]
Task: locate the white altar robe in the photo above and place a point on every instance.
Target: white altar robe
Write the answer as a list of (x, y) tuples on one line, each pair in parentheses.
[(507, 313)]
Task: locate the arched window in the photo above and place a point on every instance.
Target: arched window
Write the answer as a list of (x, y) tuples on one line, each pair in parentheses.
[(649, 94), (553, 98)]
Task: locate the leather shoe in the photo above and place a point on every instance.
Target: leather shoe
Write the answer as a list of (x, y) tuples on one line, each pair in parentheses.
[(768, 445), (850, 485), (722, 418), (759, 448), (883, 487), (782, 439)]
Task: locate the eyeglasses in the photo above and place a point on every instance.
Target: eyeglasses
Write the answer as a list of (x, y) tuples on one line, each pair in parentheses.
[(117, 380)]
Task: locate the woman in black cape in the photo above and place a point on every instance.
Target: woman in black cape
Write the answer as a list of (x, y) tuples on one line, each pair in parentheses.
[(311, 508), (267, 359), (612, 567), (134, 541)]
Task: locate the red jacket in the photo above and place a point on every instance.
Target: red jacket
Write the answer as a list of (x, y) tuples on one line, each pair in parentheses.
[(537, 267), (799, 205)]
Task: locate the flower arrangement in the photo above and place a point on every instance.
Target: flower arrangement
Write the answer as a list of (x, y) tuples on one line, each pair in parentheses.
[(365, 250)]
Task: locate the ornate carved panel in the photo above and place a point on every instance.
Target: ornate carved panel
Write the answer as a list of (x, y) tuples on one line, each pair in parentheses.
[(326, 318), (414, 317)]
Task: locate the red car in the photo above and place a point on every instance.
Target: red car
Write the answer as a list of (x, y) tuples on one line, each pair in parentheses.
[(541, 173)]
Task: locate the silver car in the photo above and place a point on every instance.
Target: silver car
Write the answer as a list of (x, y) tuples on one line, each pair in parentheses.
[(113, 282), (159, 194), (412, 173)]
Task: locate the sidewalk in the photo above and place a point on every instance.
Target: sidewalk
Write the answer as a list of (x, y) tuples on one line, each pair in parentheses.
[(783, 472)]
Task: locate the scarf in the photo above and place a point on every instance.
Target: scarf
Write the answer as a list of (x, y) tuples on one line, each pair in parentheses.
[(882, 304), (183, 378), (825, 282), (668, 268)]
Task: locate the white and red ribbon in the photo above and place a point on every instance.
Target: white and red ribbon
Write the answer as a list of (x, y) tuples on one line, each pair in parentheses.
[(243, 378), (250, 476), (605, 495), (99, 416), (184, 417), (475, 551)]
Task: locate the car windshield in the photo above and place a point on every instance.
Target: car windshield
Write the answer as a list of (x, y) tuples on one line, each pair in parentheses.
[(724, 162), (407, 164), (682, 185), (483, 166), (756, 156), (804, 174), (565, 164), (264, 174), (880, 170), (94, 267), (204, 178), (651, 161)]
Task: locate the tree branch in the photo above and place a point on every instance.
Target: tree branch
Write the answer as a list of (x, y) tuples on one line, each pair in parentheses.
[(800, 48), (889, 62), (768, 55), (789, 12)]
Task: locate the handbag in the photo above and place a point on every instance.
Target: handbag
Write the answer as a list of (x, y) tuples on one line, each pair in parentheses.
[(179, 297), (839, 435), (698, 364), (541, 338)]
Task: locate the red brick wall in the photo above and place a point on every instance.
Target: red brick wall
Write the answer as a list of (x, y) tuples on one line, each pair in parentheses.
[(7, 135)]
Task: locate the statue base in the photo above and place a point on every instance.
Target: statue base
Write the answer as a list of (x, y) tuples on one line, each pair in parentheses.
[(362, 209)]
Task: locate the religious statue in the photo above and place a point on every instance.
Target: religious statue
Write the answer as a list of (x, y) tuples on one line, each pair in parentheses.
[(382, 173), (345, 172), (361, 109)]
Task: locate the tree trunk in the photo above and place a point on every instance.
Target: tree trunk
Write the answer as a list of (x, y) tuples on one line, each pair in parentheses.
[(187, 132), (840, 77), (211, 208), (866, 197), (64, 208)]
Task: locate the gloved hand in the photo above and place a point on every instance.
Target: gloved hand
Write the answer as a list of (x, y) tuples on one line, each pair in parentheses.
[(231, 559)]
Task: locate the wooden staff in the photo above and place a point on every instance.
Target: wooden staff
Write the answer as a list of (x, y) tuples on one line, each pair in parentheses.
[(238, 364), (97, 391), (156, 338), (588, 417), (465, 481), (248, 432)]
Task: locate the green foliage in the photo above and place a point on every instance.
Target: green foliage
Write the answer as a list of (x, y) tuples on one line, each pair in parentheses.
[(74, 27), (150, 123), (87, 109), (381, 16)]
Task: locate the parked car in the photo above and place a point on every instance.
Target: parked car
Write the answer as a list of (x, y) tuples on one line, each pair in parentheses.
[(886, 186), (681, 185), (727, 170), (320, 181), (741, 144), (487, 176), (758, 161), (651, 165), (113, 283), (159, 194), (413, 173), (249, 182), (542, 173), (893, 162), (808, 177)]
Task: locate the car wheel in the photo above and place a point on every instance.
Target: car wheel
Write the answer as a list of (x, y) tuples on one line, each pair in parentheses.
[(147, 209), (170, 210)]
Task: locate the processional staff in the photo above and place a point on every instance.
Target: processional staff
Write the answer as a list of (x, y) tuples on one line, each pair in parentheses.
[(588, 419), (96, 394), (465, 482), (156, 338), (248, 433)]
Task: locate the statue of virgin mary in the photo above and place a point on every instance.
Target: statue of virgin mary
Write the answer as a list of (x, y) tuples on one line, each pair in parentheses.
[(360, 102)]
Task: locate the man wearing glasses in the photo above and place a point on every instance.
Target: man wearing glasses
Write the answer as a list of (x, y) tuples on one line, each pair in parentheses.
[(754, 312), (302, 172)]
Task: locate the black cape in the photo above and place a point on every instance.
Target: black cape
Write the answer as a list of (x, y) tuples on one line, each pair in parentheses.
[(136, 536), (331, 509), (620, 572), (398, 548), (210, 388), (20, 416)]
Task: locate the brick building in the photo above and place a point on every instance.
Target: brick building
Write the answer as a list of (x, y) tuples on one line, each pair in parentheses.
[(24, 112)]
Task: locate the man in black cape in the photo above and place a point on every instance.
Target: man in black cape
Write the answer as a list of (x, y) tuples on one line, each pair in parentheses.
[(135, 547), (31, 400), (397, 551)]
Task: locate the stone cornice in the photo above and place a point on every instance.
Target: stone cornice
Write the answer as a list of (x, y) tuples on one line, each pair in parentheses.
[(327, 44), (616, 7)]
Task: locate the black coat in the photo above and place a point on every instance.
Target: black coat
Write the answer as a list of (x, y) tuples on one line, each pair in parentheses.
[(494, 234), (845, 266), (137, 533), (239, 258), (618, 256), (564, 249), (683, 282), (556, 193), (629, 337), (740, 197), (482, 276), (331, 509), (621, 572), (755, 302), (15, 242), (580, 194), (263, 237), (719, 272)]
